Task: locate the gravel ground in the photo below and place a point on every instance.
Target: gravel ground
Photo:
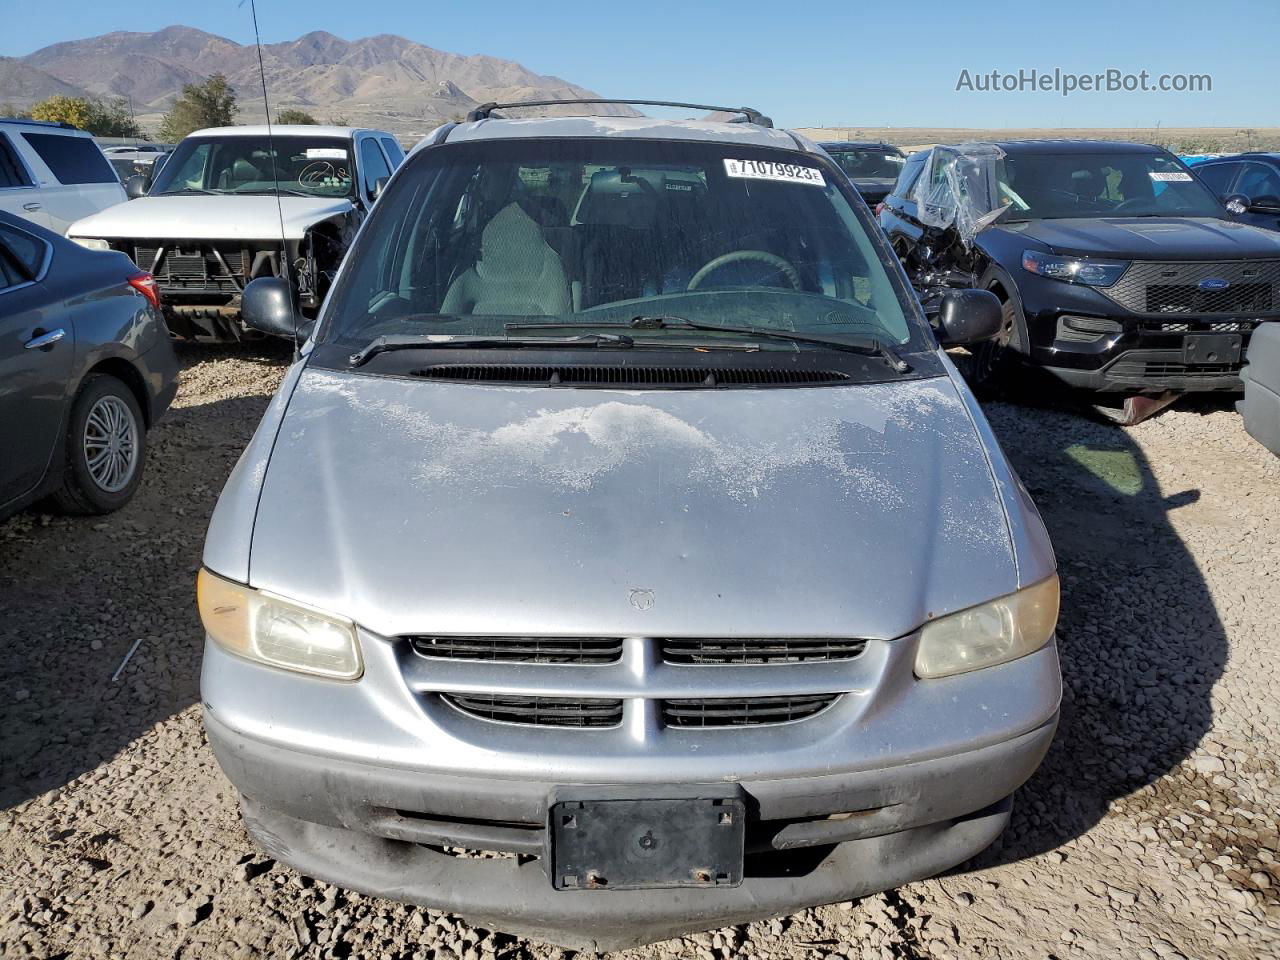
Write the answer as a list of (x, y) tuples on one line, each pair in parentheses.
[(1150, 831)]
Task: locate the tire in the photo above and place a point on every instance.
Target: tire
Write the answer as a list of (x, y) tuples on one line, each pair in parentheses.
[(994, 363), (104, 417)]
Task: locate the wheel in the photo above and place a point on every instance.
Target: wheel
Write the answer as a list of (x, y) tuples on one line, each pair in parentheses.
[(992, 362), (106, 445)]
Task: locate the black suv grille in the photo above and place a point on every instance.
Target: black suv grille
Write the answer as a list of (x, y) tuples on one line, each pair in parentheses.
[(627, 376), (700, 651), (751, 711), (584, 650), (539, 711), (1157, 287)]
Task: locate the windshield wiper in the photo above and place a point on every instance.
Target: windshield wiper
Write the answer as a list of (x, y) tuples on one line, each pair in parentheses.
[(199, 190), (864, 343), (386, 344)]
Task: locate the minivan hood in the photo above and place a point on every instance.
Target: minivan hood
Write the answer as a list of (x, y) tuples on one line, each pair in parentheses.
[(1151, 238), (415, 506), (209, 218)]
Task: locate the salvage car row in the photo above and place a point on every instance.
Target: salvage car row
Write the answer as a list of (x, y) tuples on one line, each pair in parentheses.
[(473, 636)]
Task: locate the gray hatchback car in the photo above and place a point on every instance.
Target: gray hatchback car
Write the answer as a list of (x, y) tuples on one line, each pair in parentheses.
[(622, 556)]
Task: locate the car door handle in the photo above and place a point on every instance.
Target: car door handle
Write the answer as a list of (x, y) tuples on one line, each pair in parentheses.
[(41, 340), (31, 206)]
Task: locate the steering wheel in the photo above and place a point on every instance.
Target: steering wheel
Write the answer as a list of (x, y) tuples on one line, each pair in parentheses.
[(737, 256), (1129, 204)]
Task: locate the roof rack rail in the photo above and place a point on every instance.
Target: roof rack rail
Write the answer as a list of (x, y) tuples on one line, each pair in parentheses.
[(61, 124), (485, 110)]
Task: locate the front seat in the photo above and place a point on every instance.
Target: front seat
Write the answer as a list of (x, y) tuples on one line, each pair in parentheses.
[(517, 273)]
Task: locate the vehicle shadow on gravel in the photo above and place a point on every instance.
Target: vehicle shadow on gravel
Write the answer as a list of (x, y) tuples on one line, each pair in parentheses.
[(76, 593), (1140, 639)]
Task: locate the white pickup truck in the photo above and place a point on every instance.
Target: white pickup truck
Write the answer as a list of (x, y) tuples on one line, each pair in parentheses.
[(210, 222)]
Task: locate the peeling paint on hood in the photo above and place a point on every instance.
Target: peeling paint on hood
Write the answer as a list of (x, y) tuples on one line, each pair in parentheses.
[(424, 506)]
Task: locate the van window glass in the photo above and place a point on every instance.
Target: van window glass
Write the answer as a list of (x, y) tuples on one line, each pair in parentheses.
[(1260, 182), (393, 151), (12, 173), (604, 230), (372, 163), (72, 159), (1217, 176)]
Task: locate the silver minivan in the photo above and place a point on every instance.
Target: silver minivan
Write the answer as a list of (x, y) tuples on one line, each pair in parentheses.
[(622, 555)]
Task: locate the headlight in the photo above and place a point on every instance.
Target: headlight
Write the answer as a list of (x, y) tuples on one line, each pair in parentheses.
[(1095, 273), (89, 243), (989, 633), (269, 629)]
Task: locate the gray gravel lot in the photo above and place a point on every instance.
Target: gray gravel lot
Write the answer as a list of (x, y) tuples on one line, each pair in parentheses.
[(1150, 831)]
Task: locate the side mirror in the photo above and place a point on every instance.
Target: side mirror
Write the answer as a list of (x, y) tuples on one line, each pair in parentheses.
[(1237, 203), (969, 316), (378, 186), (267, 305), (137, 186)]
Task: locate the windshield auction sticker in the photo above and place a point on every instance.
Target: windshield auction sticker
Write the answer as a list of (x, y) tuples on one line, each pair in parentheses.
[(1173, 176), (768, 170)]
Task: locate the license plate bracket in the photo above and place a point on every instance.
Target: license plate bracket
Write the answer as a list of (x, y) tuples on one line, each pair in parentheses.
[(1212, 348), (647, 843)]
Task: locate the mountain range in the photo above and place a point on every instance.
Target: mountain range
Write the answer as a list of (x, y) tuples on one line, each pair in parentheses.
[(385, 81)]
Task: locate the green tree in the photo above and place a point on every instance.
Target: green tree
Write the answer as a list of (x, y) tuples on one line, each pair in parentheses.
[(62, 109), (102, 118), (295, 116), (208, 104)]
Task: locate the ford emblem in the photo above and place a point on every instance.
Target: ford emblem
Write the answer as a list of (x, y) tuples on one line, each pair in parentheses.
[(1213, 283)]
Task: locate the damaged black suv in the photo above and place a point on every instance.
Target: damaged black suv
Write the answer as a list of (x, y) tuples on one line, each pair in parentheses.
[(1117, 268)]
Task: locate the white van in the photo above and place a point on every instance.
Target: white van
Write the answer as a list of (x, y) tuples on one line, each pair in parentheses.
[(53, 174)]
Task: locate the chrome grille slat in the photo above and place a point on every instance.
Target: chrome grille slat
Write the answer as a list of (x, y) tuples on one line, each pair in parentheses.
[(749, 711), (590, 650), (540, 711), (718, 652)]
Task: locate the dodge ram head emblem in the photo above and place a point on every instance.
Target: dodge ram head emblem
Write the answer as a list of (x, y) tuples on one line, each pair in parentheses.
[(641, 599), (1212, 284)]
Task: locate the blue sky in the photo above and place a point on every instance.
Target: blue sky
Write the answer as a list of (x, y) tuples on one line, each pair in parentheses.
[(805, 63)]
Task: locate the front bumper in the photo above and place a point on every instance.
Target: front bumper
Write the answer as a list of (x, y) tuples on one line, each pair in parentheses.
[(367, 786)]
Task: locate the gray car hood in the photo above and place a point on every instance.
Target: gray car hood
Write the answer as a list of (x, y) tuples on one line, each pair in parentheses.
[(415, 506)]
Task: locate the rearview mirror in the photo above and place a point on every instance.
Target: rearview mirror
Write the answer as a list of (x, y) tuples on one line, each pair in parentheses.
[(267, 305), (969, 316), (1237, 203), (137, 186)]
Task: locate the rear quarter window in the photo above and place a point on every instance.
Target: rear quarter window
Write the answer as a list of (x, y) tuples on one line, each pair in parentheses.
[(27, 252), (72, 159), (12, 171)]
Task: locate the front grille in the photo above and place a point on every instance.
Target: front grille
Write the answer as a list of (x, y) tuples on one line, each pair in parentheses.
[(701, 651), (582, 650), (1131, 369), (749, 711), (193, 267), (627, 376), (539, 711), (1197, 326), (1158, 287)]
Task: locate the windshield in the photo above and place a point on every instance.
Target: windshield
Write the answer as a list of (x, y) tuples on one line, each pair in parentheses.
[(867, 163), (1054, 186), (311, 166), (474, 237)]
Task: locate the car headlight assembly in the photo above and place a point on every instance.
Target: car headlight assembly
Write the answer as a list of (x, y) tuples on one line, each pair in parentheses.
[(271, 630), (90, 243), (1093, 273), (990, 633)]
